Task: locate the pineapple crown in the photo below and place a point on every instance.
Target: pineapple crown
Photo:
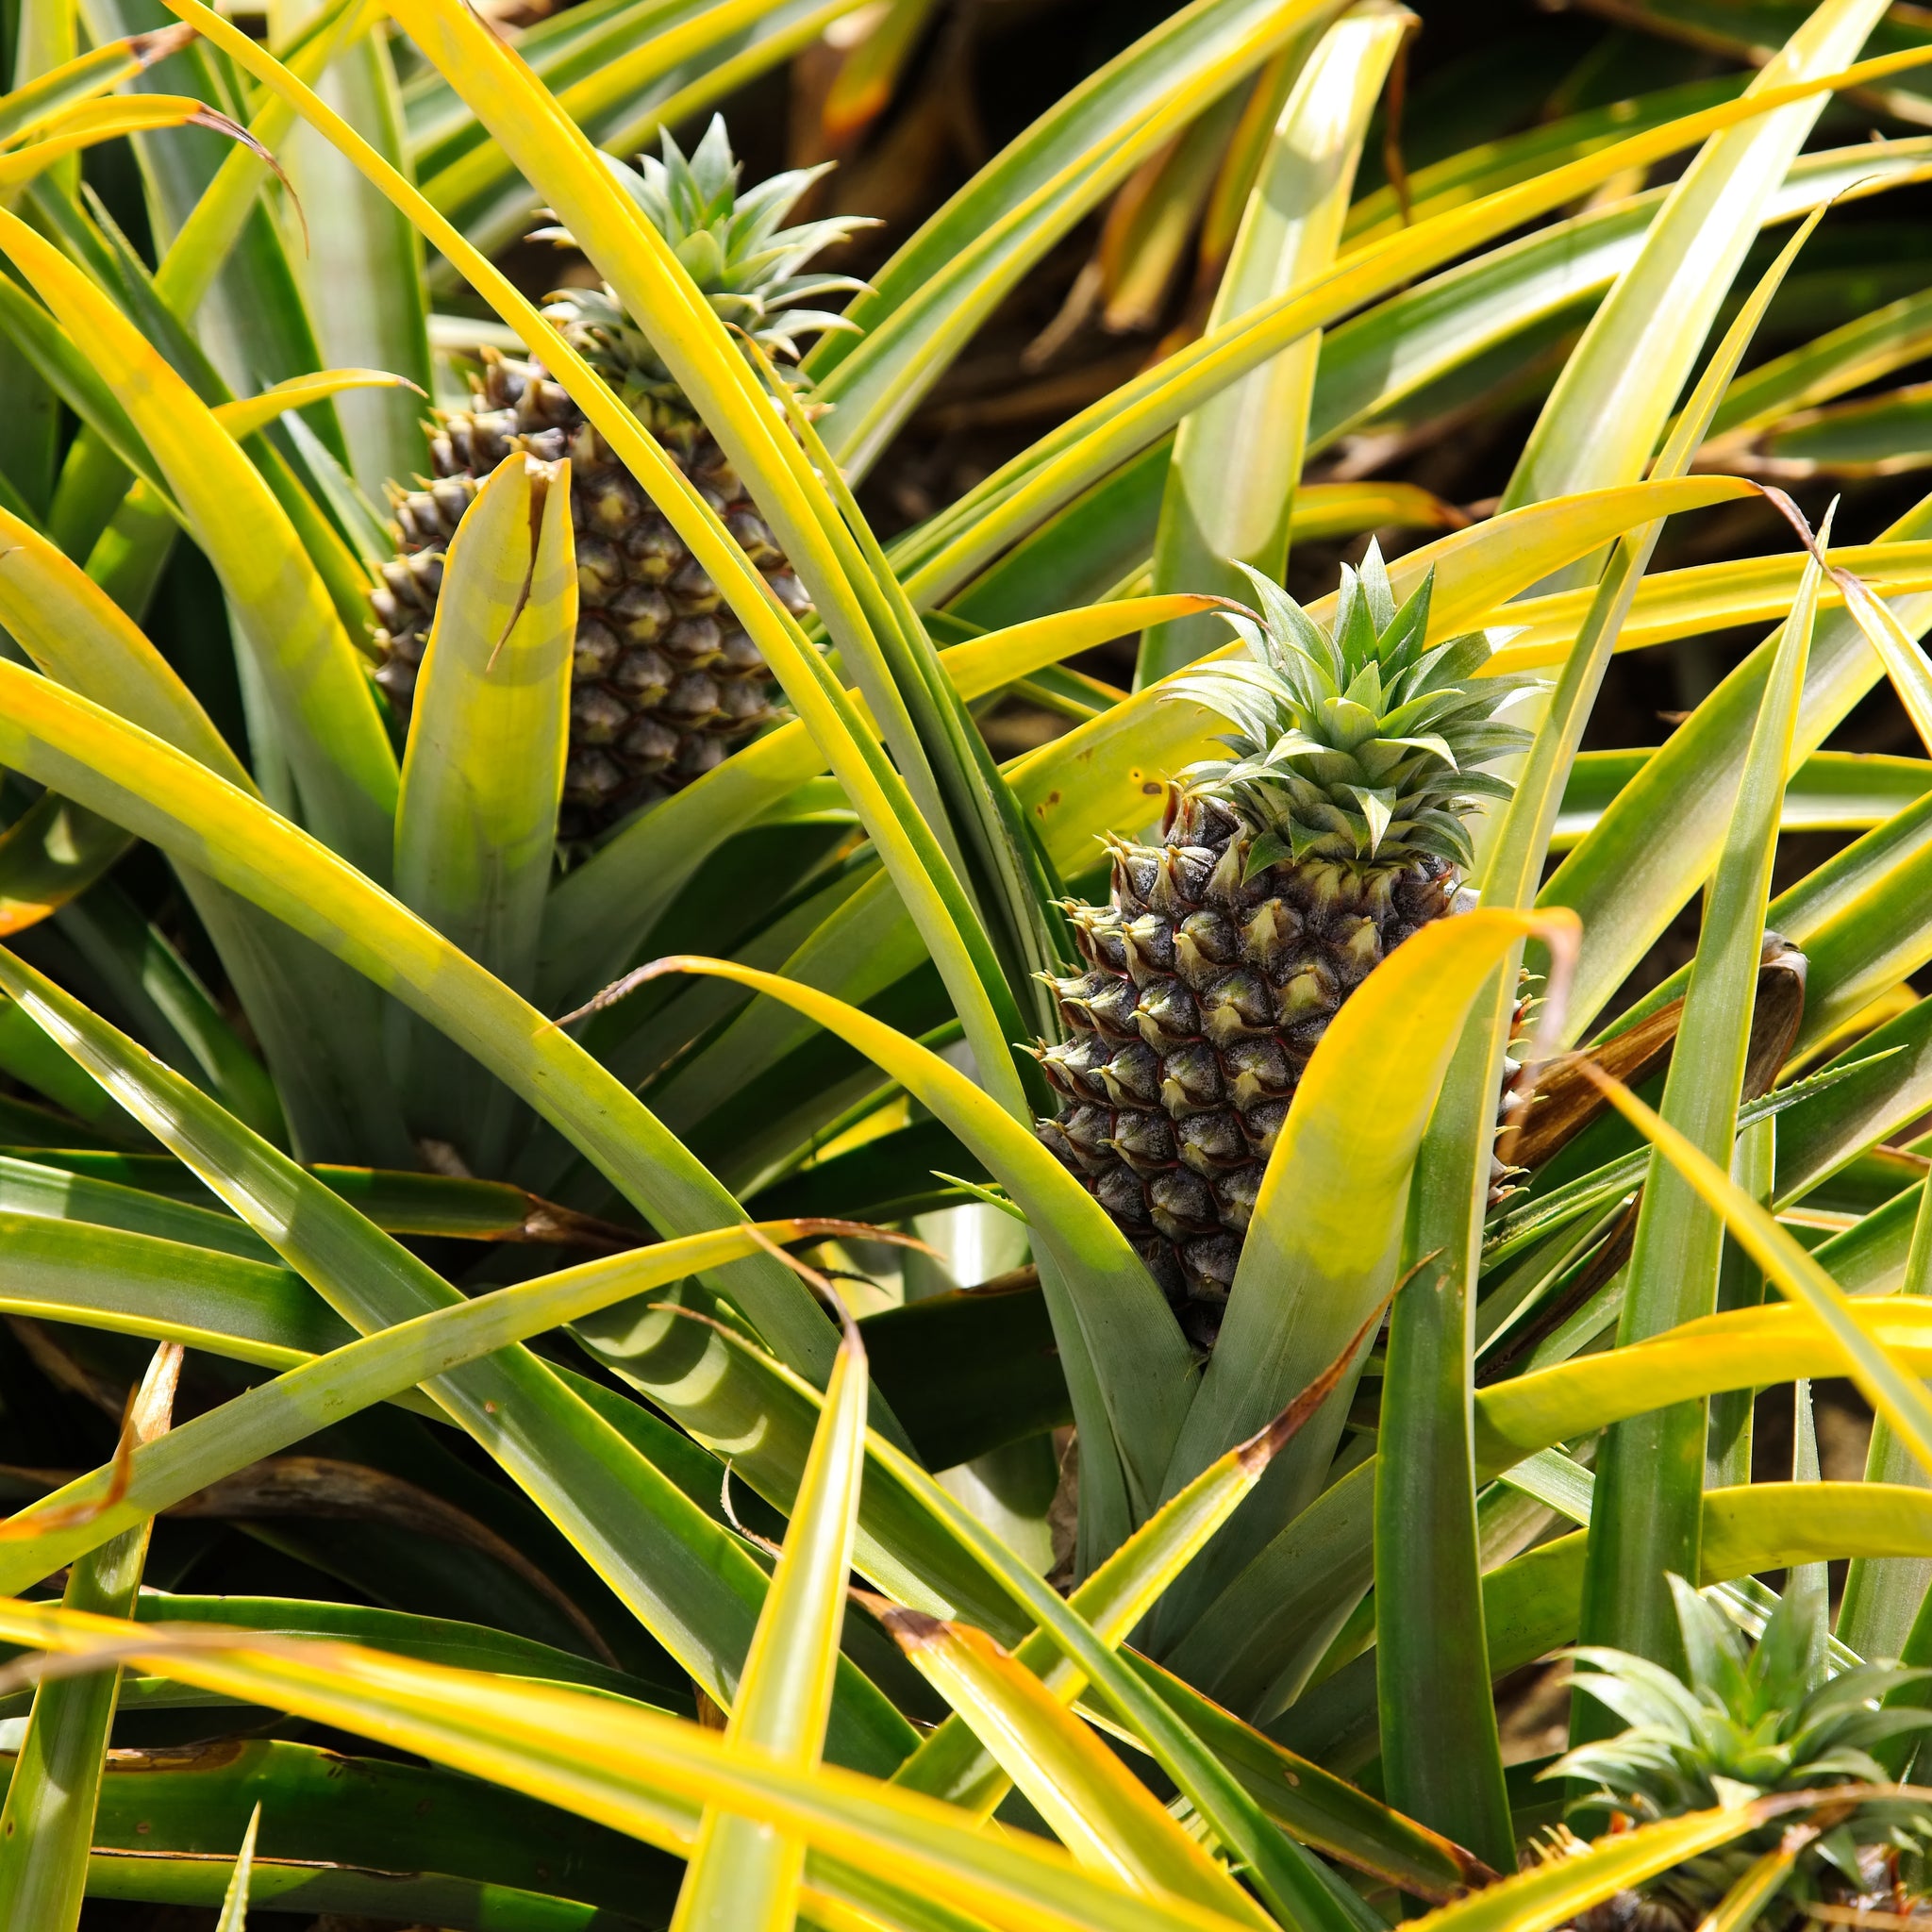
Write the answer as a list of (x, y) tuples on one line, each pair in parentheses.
[(1363, 744), (1747, 1721), (746, 266)]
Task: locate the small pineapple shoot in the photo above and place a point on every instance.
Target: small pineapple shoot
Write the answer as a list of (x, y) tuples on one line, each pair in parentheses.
[(1751, 1719)]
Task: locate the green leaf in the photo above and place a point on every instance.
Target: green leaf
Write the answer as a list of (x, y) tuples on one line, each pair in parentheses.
[(1862, 351), (42, 90), (1652, 1471), (46, 1826), (926, 302), (362, 273), (340, 1832), (661, 1555), (742, 1876), (1831, 792), (477, 823), (1603, 420), (75, 633), (1238, 459)]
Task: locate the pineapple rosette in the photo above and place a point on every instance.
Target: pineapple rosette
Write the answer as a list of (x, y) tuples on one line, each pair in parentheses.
[(664, 682), (1749, 1721), (1287, 872)]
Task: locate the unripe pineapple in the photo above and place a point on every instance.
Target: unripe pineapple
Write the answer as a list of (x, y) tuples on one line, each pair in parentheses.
[(1285, 874), (666, 682)]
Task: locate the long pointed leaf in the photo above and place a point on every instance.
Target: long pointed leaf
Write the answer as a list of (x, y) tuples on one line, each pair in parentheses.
[(1127, 1364), (327, 712), (156, 792), (743, 1877), (483, 772), (1236, 459)]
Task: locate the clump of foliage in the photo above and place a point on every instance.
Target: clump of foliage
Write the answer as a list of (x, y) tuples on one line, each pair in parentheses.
[(863, 1059)]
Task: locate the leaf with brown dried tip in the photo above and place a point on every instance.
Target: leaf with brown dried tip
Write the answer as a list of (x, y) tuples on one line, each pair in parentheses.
[(1095, 1807)]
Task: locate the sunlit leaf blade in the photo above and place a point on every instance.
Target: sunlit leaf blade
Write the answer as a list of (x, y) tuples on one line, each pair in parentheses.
[(159, 793), (483, 772), (47, 1827), (192, 263), (636, 71), (743, 1877), (1427, 1537), (248, 414), (234, 1916), (1898, 1396), (1657, 841), (621, 1767), (1103, 1814), (1236, 460), (1675, 604), (1547, 1894), (77, 634), (439, 1344), (324, 700), (1125, 1588)]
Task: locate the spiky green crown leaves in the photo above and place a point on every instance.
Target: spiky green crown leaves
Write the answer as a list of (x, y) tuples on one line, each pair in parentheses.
[(1749, 1720), (1366, 745), (747, 266)]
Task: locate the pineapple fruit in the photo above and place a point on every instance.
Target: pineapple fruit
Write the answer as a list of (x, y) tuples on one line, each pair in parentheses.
[(664, 682), (1284, 873)]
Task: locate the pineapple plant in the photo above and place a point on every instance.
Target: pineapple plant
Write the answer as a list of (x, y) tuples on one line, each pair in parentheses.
[(1749, 1720), (664, 682), (311, 1116), (1285, 874)]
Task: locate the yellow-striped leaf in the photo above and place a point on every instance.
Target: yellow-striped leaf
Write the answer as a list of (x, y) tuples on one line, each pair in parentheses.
[(1898, 1395), (340, 752), (744, 1877), (1095, 1807)]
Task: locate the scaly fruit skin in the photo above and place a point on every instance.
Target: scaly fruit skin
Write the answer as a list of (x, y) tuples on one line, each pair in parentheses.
[(1284, 877), (665, 681), (1204, 995)]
